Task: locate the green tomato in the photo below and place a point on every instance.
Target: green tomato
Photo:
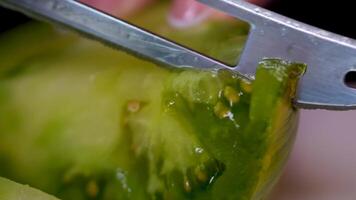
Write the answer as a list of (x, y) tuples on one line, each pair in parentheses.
[(79, 120)]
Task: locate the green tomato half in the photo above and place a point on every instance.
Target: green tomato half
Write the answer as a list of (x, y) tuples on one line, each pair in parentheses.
[(79, 120)]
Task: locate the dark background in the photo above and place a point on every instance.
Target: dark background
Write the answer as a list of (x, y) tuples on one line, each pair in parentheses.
[(336, 16)]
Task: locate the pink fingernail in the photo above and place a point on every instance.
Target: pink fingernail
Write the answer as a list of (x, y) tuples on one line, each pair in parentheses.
[(185, 13)]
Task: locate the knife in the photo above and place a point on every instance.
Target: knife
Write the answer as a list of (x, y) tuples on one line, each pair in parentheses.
[(330, 57)]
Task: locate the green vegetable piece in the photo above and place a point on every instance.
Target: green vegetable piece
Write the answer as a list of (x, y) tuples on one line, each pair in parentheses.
[(82, 121), (10, 190)]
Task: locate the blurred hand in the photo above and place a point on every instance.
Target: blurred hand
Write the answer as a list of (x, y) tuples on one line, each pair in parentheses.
[(183, 13)]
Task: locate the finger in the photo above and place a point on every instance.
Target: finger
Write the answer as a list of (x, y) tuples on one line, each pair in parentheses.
[(117, 7), (185, 13)]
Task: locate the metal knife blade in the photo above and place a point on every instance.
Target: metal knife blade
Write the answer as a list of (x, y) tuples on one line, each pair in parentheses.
[(329, 56)]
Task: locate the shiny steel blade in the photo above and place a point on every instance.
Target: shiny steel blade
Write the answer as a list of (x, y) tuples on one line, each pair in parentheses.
[(115, 32), (329, 56)]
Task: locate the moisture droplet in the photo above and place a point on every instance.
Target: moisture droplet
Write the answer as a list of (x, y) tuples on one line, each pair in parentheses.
[(122, 177), (212, 179), (187, 185), (171, 103), (199, 150)]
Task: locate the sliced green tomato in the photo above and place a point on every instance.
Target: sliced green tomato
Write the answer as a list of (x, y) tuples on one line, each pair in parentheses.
[(10, 190), (82, 121)]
